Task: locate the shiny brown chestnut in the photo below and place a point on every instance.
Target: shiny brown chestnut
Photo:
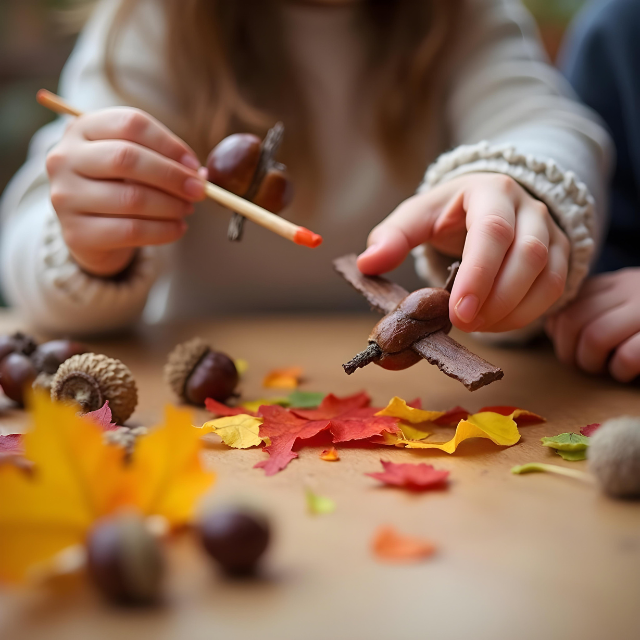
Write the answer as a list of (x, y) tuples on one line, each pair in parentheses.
[(125, 561), (50, 355), (234, 161), (17, 373), (236, 539)]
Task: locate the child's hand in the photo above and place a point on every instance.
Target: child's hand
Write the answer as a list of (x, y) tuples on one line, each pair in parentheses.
[(514, 256), (121, 180), (600, 330)]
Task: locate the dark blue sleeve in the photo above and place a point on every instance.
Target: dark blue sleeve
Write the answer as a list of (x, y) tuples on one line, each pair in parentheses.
[(601, 59)]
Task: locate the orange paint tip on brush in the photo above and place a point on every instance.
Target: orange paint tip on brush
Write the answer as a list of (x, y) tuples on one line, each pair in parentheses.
[(307, 238)]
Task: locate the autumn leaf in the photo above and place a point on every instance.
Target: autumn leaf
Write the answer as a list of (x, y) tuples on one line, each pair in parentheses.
[(566, 442), (521, 416), (535, 467), (13, 443), (288, 378), (305, 399), (222, 410), (418, 477), (242, 366), (102, 417), (391, 546), (398, 408), (590, 429), (502, 430), (452, 417), (348, 418), (237, 431), (78, 479), (330, 455), (319, 505), (253, 406)]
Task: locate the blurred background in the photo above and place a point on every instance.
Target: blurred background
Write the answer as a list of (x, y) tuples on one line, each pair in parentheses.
[(36, 36)]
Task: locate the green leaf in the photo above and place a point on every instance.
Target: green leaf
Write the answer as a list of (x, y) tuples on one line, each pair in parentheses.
[(573, 456), (534, 467), (567, 442), (305, 399), (319, 505)]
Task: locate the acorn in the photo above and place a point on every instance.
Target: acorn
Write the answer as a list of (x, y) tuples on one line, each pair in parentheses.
[(125, 561), (17, 373), (16, 343), (90, 379), (196, 372), (236, 539)]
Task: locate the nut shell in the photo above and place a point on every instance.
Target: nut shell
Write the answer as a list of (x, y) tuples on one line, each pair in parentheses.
[(91, 379), (234, 161), (181, 362), (17, 374)]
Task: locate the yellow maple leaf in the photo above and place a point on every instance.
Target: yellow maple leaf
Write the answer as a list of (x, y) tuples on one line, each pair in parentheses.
[(398, 408), (502, 430), (78, 478), (240, 432)]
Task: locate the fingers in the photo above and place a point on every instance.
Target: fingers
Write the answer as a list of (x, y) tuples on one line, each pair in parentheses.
[(625, 364), (84, 234), (525, 260), (491, 217), (545, 291), (115, 159), (107, 197), (410, 225), (601, 336), (139, 127)]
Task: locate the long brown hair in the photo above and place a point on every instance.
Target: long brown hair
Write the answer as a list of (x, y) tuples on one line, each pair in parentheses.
[(230, 71)]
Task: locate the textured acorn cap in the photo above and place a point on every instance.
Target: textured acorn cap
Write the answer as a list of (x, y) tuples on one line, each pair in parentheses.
[(90, 379), (181, 362), (614, 457)]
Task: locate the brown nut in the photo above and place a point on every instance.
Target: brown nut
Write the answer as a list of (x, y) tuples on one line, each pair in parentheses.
[(275, 191), (124, 560), (50, 355), (17, 374), (233, 162), (16, 343)]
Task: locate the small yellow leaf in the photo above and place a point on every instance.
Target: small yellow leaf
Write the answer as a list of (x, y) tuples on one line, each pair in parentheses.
[(413, 432), (502, 430), (242, 366), (319, 505), (254, 405), (398, 408), (288, 378), (330, 455), (240, 432)]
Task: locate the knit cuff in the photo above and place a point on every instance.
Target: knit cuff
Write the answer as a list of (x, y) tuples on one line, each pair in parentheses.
[(568, 200)]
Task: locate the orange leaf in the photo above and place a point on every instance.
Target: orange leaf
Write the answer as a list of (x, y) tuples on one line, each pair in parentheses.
[(288, 378), (330, 455), (391, 546)]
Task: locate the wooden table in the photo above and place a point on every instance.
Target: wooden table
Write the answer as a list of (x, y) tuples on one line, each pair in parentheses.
[(522, 557)]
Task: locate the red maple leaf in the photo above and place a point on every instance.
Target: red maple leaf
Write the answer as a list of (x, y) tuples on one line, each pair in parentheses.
[(349, 418), (12, 443), (418, 477), (219, 409), (452, 417), (102, 417), (590, 429)]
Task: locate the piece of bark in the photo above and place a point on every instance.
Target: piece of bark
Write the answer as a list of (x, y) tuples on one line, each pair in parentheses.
[(456, 361), (438, 348), (382, 295)]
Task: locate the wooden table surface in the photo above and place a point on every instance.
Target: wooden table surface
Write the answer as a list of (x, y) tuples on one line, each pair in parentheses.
[(519, 557)]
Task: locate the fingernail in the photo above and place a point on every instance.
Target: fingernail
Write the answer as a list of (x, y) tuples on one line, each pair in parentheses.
[(189, 161), (194, 188), (369, 251), (467, 308)]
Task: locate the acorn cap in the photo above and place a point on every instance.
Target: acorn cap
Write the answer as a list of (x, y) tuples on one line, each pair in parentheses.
[(90, 379), (181, 363)]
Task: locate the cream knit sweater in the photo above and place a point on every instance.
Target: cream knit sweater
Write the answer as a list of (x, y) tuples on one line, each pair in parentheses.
[(506, 110)]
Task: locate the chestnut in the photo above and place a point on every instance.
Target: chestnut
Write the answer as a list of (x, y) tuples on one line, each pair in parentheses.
[(234, 161), (124, 560), (16, 343), (236, 539), (50, 355), (196, 372), (17, 373)]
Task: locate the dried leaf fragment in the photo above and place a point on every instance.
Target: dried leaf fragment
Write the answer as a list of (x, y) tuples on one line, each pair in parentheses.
[(238, 431), (222, 410), (13, 443), (398, 408), (330, 455), (391, 546), (319, 505), (533, 467), (590, 429), (521, 416), (287, 378), (417, 477), (566, 442), (103, 417)]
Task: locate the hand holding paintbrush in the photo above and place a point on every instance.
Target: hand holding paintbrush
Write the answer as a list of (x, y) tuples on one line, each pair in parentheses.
[(121, 180)]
